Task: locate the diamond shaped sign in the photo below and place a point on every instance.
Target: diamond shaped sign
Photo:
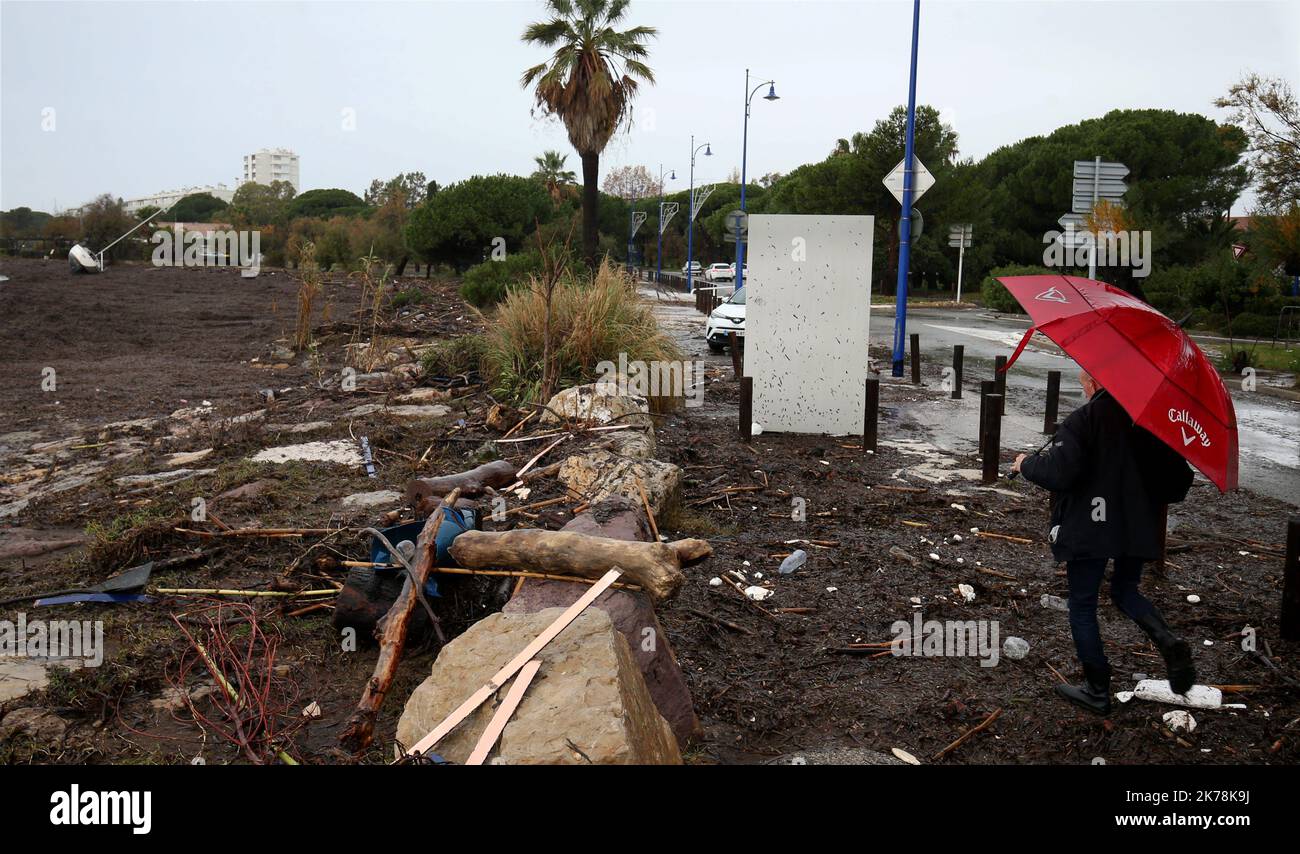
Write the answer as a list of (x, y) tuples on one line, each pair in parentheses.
[(922, 180)]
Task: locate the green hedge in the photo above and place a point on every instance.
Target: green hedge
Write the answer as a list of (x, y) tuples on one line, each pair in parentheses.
[(992, 293), (486, 284)]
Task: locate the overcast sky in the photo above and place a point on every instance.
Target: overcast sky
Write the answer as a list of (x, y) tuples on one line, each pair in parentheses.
[(160, 95)]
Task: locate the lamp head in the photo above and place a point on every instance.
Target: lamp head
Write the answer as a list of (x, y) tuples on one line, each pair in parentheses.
[(708, 152), (771, 93)]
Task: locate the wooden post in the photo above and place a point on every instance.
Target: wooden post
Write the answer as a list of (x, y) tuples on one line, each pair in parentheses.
[(1053, 401), (916, 358), (871, 416), (1000, 377), (1162, 534), (1290, 622), (746, 407), (987, 387), (958, 357), (992, 438), (737, 367)]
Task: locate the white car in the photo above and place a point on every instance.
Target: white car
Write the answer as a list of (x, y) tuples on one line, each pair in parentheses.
[(694, 268), (726, 318), (732, 268), (719, 273)]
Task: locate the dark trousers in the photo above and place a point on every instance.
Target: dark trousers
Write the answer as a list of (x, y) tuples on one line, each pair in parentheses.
[(1084, 577)]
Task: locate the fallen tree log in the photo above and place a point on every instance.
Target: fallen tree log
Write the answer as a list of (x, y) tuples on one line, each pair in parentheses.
[(655, 567), (360, 731), (422, 491)]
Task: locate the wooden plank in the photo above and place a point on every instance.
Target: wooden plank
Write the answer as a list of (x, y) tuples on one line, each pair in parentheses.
[(527, 654), (507, 709)]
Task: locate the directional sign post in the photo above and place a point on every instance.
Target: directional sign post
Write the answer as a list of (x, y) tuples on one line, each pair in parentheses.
[(960, 236), (736, 228), (1094, 181)]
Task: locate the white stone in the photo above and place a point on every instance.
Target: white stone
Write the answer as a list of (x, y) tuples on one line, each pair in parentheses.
[(1197, 697), (758, 594), (378, 498), (341, 451), (1180, 721)]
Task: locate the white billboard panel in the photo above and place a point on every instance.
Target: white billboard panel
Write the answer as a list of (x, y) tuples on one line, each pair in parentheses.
[(808, 304)]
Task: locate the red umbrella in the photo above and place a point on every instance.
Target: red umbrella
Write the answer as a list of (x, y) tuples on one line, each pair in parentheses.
[(1145, 360)]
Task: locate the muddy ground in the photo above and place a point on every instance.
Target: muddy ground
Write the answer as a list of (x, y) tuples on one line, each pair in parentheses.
[(137, 344)]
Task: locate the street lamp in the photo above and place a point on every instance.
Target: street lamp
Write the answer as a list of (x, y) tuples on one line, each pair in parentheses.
[(659, 253), (744, 151), (690, 225)]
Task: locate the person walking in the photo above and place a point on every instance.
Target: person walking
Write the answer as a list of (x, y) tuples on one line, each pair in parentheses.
[(1109, 480)]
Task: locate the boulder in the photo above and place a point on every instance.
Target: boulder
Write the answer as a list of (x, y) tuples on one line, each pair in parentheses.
[(599, 474), (599, 403), (632, 613), (587, 705)]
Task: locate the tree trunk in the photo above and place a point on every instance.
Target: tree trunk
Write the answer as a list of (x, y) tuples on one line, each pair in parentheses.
[(401, 265), (590, 203)]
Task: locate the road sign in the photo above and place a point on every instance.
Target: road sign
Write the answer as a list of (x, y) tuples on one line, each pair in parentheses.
[(737, 220), (1238, 250), (1095, 180), (960, 235), (1075, 228), (922, 180)]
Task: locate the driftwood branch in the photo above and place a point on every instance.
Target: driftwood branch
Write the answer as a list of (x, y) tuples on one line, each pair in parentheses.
[(655, 567), (422, 493)]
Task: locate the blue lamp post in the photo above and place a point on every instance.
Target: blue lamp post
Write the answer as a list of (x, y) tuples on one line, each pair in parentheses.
[(744, 152), (905, 223), (690, 226), (659, 253)]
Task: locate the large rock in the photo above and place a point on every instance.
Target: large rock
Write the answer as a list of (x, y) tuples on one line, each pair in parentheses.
[(599, 403), (633, 615), (600, 474), (588, 703)]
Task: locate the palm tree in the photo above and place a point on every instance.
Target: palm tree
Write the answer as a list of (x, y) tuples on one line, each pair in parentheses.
[(552, 174), (588, 83)]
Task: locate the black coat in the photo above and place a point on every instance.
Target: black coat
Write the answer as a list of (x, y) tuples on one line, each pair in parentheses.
[(1109, 480)]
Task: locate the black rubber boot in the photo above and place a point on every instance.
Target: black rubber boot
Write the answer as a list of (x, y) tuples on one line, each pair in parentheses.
[(1093, 694), (1176, 652)]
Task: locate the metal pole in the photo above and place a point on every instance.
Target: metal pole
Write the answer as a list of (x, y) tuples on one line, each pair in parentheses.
[(1000, 378), (739, 280), (690, 226), (905, 224), (1096, 180), (961, 256), (916, 359)]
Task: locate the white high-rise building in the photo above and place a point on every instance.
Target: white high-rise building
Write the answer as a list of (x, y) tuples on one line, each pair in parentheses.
[(272, 164)]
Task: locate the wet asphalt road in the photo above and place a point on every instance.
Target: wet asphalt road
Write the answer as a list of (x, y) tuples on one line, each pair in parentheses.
[(1268, 426)]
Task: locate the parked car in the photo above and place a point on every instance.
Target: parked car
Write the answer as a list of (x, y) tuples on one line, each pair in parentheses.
[(726, 318), (732, 267), (719, 273), (694, 268)]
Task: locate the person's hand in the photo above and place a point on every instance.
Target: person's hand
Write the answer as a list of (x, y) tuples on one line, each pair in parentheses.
[(1020, 459)]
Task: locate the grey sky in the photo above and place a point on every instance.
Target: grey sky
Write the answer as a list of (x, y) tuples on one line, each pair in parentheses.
[(154, 96)]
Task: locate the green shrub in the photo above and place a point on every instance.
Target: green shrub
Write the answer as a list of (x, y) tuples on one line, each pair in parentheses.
[(995, 296), (455, 356), (486, 284)]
